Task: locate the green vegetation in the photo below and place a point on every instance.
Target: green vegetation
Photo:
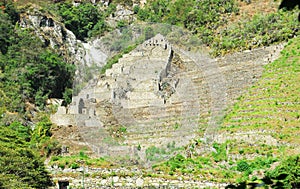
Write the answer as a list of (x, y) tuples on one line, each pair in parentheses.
[(186, 14), (84, 20), (273, 102), (220, 152), (200, 167), (40, 137), (216, 166), (80, 160), (208, 20), (21, 152), (262, 30), (270, 106), (203, 22), (285, 175), (156, 154), (229, 161), (28, 71), (20, 166), (247, 167), (29, 74)]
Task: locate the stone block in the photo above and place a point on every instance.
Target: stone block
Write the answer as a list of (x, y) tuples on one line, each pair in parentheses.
[(73, 110), (61, 110), (63, 119), (139, 182)]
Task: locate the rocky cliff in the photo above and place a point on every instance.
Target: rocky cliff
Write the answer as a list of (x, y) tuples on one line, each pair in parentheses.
[(51, 32), (86, 56)]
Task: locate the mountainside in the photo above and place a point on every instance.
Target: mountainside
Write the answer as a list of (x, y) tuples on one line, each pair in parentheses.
[(239, 153), (272, 103), (259, 133), (165, 93), (160, 86)]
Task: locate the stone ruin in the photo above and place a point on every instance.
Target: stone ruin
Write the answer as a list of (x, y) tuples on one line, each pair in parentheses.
[(132, 85), (158, 95), (158, 40)]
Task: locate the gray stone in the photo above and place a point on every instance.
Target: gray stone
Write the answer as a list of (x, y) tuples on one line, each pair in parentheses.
[(103, 182), (115, 179), (139, 182), (129, 180)]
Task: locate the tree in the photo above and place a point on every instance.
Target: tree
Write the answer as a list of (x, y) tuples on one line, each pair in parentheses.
[(20, 167), (83, 20)]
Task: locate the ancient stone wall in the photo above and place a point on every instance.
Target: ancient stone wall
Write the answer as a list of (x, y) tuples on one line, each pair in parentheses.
[(124, 181), (158, 94)]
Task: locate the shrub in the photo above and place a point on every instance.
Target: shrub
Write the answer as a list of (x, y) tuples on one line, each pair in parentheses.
[(123, 129), (55, 158), (83, 20), (74, 166), (19, 164), (220, 153), (242, 166), (82, 155), (61, 165), (262, 30), (40, 71), (153, 153), (286, 175)]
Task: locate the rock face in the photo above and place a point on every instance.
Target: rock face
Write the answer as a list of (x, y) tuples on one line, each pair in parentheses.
[(51, 32), (122, 13), (159, 94), (64, 42)]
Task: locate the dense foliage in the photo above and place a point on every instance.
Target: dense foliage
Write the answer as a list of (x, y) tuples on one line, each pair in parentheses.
[(191, 14), (262, 30), (20, 166), (28, 71), (286, 175), (200, 17), (208, 20), (79, 160), (84, 20), (21, 151)]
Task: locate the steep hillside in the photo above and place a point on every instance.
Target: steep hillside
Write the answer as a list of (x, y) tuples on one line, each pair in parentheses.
[(271, 107), (260, 132), (30, 73), (197, 91), (265, 121)]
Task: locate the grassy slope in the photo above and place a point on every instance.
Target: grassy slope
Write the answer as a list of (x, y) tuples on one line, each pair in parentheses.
[(260, 129), (273, 104)]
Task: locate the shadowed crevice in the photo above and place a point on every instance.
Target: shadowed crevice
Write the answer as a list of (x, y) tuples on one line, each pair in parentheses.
[(290, 5)]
